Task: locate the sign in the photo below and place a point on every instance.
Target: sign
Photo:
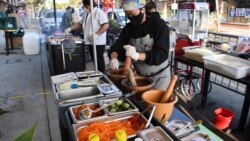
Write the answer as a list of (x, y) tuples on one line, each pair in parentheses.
[(240, 12), (194, 5), (174, 6), (232, 12), (247, 13)]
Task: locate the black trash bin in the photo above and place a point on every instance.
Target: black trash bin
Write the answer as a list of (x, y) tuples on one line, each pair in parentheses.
[(72, 60)]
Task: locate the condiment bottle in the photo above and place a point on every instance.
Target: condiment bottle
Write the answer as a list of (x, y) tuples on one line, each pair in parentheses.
[(121, 135), (93, 137)]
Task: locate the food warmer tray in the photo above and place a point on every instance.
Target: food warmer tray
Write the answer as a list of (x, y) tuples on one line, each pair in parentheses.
[(80, 93), (75, 120), (120, 117)]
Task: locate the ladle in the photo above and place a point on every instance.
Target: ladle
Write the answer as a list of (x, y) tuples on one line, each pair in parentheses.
[(86, 113)]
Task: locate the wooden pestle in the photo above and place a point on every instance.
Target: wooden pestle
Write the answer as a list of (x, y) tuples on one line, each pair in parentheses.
[(166, 96), (127, 64), (131, 78)]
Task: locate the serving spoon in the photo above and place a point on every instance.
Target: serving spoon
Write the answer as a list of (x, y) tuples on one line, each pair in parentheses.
[(86, 113)]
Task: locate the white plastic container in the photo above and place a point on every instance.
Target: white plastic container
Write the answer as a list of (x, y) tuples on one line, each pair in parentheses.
[(31, 43), (227, 65)]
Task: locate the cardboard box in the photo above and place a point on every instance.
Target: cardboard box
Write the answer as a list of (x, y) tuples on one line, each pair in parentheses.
[(17, 42)]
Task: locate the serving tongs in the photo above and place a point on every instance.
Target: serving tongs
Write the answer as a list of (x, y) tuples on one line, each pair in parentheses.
[(86, 113)]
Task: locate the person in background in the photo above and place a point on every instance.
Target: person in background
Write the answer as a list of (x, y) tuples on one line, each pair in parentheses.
[(23, 17), (67, 19), (146, 40), (100, 25), (150, 7)]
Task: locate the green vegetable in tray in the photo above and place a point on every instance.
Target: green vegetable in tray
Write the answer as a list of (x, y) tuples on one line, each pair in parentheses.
[(125, 106), (112, 110), (113, 106), (119, 102), (119, 106)]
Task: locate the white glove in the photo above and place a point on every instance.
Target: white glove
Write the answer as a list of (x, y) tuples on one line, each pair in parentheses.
[(92, 36), (67, 31), (131, 51), (114, 64)]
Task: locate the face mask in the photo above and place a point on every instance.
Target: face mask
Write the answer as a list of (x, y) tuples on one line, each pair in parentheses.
[(136, 20)]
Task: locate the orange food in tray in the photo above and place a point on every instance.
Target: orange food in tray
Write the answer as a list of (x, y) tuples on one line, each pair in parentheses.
[(76, 111), (106, 131)]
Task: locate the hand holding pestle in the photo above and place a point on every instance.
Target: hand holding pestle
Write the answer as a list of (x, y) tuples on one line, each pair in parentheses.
[(131, 77), (169, 91), (127, 64)]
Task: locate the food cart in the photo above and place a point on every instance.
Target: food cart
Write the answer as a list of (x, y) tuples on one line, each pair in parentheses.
[(95, 90)]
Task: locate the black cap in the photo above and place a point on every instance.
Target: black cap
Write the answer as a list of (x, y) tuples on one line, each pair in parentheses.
[(69, 7)]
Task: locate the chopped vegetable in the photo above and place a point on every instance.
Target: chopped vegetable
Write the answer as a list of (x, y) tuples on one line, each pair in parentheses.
[(106, 131)]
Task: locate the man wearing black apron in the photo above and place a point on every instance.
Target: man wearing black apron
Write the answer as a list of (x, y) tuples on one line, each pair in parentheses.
[(146, 40)]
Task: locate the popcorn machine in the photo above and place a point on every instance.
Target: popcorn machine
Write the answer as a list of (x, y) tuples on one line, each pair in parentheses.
[(192, 24), (193, 19)]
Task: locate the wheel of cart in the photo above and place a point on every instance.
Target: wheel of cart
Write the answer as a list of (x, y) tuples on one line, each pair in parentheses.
[(190, 82)]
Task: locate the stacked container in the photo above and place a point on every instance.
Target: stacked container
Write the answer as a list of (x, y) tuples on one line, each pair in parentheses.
[(31, 43)]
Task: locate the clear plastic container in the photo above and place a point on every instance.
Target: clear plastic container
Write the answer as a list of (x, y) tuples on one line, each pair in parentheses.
[(227, 65)]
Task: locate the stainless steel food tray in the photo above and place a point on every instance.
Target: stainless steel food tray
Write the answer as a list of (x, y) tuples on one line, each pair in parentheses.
[(89, 74), (106, 101), (121, 117), (155, 133), (75, 120), (57, 79), (78, 94), (89, 90)]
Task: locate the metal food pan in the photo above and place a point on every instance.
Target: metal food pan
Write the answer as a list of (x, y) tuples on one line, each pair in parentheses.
[(73, 109), (78, 94), (83, 83), (84, 74), (100, 76), (57, 79), (88, 89), (121, 117), (134, 108), (155, 133)]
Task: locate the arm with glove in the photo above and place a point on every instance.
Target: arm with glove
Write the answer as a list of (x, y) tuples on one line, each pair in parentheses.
[(131, 52)]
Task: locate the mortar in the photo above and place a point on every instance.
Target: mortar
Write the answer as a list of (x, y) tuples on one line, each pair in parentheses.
[(143, 84), (153, 97), (117, 75)]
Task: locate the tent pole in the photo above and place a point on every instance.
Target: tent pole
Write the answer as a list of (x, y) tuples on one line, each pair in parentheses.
[(94, 40)]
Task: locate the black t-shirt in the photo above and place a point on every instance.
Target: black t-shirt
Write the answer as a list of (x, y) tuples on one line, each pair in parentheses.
[(156, 28)]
